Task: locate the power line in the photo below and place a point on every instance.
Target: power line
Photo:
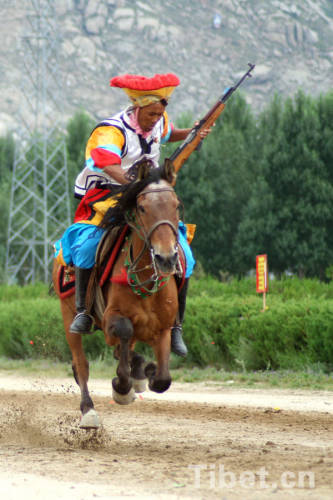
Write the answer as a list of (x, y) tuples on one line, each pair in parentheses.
[(39, 198)]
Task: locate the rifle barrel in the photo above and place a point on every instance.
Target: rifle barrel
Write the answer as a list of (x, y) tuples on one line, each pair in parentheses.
[(193, 139), (231, 90)]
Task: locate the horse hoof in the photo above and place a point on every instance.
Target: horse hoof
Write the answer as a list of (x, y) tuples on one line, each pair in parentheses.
[(139, 385), (123, 399), (90, 420), (159, 385)]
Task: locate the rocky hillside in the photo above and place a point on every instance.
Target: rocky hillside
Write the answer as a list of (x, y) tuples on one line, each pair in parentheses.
[(208, 43)]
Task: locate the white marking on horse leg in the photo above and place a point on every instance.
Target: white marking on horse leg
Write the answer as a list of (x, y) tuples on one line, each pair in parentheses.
[(90, 420), (123, 399), (139, 385)]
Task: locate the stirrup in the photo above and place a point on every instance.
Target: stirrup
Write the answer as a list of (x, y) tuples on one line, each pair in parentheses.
[(82, 323)]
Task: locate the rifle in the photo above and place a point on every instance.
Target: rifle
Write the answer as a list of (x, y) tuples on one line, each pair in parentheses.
[(193, 140)]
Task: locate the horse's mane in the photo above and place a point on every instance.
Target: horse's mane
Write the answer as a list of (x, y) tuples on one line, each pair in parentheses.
[(140, 175)]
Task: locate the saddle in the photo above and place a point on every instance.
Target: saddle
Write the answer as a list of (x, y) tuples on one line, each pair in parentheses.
[(106, 255)]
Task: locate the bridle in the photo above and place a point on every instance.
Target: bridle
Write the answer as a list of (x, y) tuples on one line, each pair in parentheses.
[(156, 280)]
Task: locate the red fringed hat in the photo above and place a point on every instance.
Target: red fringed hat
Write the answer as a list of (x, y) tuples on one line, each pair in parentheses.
[(143, 91)]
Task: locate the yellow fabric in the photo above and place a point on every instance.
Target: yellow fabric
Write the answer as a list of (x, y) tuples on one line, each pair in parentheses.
[(100, 208), (190, 231), (143, 98), (60, 259), (105, 136), (166, 125)]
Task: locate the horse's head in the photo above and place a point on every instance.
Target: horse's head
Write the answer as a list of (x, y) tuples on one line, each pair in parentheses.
[(149, 204), (157, 217)]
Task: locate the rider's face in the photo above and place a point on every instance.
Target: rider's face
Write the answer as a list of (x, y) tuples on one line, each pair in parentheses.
[(149, 115)]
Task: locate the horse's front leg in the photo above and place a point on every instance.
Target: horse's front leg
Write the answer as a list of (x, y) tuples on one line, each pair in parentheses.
[(159, 376), (121, 328)]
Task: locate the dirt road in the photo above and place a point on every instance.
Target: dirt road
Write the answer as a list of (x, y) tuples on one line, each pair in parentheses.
[(196, 441)]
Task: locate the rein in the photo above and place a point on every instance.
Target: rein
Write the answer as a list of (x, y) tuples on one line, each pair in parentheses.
[(157, 281), (137, 286)]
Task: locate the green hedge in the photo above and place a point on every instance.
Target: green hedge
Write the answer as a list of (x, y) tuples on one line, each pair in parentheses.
[(33, 328), (224, 325)]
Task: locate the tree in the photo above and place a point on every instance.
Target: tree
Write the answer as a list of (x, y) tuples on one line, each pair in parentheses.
[(7, 149), (78, 131), (325, 138), (214, 185), (290, 209)]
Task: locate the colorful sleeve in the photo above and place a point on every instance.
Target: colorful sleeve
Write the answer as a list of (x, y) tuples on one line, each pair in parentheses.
[(104, 147), (168, 127)]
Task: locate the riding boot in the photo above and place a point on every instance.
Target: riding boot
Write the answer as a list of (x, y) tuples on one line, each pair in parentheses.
[(82, 322), (177, 342)]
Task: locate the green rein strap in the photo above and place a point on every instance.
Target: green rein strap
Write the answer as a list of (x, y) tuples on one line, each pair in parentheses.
[(138, 287), (157, 282)]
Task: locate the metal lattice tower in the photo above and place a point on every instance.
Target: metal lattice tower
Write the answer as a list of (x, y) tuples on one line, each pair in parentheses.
[(39, 200)]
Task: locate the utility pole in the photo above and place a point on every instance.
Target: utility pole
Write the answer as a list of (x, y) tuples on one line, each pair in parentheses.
[(39, 198)]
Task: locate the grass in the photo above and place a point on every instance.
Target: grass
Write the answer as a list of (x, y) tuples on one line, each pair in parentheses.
[(312, 379), (283, 379)]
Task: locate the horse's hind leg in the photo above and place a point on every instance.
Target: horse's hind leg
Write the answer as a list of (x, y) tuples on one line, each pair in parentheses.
[(138, 375), (80, 368), (80, 364), (137, 364), (122, 328)]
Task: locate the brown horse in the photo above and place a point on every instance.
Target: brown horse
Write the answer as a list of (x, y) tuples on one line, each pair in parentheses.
[(144, 307)]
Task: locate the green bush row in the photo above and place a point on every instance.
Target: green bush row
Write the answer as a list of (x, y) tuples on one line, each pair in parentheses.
[(33, 328), (232, 332), (224, 325)]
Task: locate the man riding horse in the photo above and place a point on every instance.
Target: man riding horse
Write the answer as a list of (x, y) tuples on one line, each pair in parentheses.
[(114, 145)]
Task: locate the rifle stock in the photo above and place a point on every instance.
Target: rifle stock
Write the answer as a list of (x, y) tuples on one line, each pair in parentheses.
[(192, 141)]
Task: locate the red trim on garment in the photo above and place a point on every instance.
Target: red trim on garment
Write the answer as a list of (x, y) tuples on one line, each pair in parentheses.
[(85, 210), (66, 282), (115, 250), (102, 158)]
